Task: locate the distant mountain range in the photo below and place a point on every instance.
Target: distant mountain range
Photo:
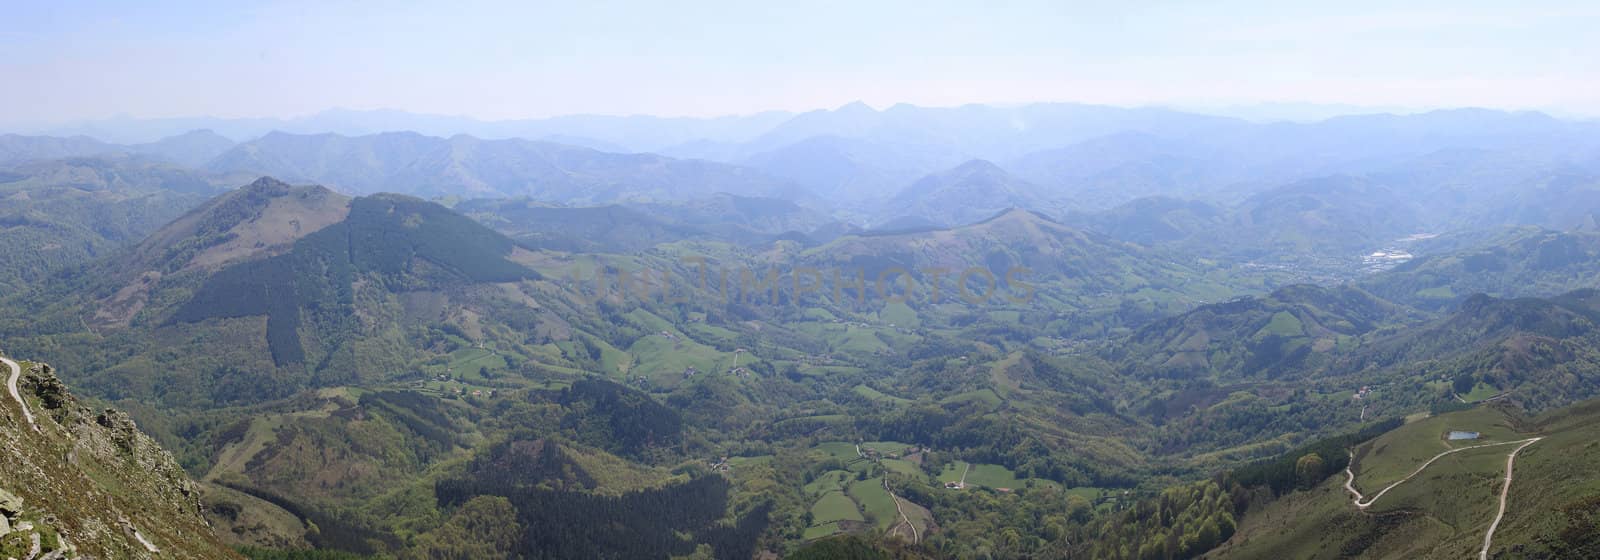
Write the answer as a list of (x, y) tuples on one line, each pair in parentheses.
[(406, 162), (1308, 197), (1096, 156), (850, 172), (193, 148), (464, 166), (855, 158), (638, 133)]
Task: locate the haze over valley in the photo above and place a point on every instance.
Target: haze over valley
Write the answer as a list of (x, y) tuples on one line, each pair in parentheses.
[(574, 287)]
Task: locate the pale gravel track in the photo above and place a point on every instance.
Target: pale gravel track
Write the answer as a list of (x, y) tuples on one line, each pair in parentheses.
[(146, 542), (11, 387), (1349, 484), (915, 538), (1505, 489), (1488, 538)]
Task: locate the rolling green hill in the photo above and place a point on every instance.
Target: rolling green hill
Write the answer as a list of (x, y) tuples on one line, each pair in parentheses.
[(1093, 283), (1518, 263), (1152, 220), (610, 229), (1294, 330), (282, 271), (58, 214)]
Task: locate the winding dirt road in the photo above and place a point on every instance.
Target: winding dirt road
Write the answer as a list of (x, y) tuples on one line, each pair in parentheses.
[(915, 538), (1488, 538), (11, 387), (1349, 483), (1505, 489)]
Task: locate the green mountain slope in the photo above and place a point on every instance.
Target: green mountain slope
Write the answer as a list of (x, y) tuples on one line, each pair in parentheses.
[(970, 192), (63, 213), (631, 227), (1077, 276), (1294, 330), (734, 216), (1541, 350), (611, 229), (1446, 510), (84, 482), (1152, 220), (1522, 262), (280, 273)]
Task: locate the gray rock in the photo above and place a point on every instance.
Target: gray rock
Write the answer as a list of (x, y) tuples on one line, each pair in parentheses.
[(10, 504), (5, 526)]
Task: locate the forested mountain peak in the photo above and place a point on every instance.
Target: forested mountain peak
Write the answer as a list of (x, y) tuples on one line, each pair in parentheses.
[(964, 194), (1490, 316), (260, 218), (1527, 261)]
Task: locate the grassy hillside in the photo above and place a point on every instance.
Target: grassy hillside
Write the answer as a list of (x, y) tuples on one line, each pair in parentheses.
[(1445, 510), (89, 483)]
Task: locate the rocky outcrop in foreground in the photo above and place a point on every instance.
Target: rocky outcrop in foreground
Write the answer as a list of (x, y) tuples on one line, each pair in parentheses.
[(88, 484)]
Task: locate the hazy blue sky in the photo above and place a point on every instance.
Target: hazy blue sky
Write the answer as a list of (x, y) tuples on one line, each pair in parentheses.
[(74, 60)]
